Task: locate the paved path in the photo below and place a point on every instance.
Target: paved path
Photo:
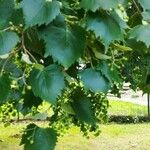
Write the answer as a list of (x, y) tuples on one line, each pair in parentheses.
[(131, 96)]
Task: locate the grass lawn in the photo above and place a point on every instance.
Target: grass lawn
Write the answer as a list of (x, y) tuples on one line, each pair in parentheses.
[(113, 136), (126, 108)]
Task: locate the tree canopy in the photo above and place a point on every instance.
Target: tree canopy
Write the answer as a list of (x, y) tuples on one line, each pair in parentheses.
[(71, 53)]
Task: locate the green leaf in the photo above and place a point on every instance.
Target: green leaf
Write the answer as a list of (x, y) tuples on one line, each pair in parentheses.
[(146, 15), (17, 17), (33, 43), (94, 80), (29, 100), (96, 4), (141, 33), (11, 68), (145, 4), (105, 27), (135, 19), (123, 25), (6, 10), (37, 12), (36, 138), (82, 107), (64, 44), (47, 83), (4, 87), (139, 47), (112, 74), (8, 41)]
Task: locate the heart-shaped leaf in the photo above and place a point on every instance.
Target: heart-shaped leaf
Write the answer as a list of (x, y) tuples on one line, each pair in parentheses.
[(64, 44), (47, 83)]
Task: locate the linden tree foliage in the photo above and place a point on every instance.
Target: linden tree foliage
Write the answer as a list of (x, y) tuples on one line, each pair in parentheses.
[(140, 33), (5, 14), (63, 42), (47, 83), (70, 54), (91, 76), (38, 12), (103, 4), (39, 138), (8, 41), (5, 87), (102, 25)]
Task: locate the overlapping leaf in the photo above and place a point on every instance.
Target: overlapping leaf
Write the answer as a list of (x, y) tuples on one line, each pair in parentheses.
[(83, 110), (37, 12), (111, 74), (64, 44), (146, 9), (137, 46), (17, 17), (141, 33), (35, 138), (6, 10), (106, 27), (122, 24), (145, 4), (10, 68), (33, 43), (96, 4), (82, 107), (8, 41), (47, 83), (94, 80), (4, 87), (135, 20), (146, 15), (29, 100)]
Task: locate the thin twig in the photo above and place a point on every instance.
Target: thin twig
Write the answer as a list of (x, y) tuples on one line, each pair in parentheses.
[(27, 51), (4, 66), (138, 9), (6, 29)]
